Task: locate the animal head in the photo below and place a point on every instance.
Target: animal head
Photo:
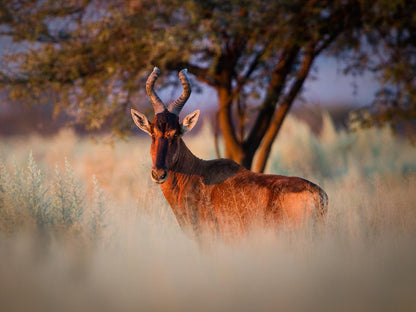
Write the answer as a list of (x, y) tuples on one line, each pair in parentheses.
[(165, 129)]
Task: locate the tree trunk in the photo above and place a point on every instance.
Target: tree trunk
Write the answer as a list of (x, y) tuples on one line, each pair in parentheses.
[(270, 136), (233, 148), (266, 146)]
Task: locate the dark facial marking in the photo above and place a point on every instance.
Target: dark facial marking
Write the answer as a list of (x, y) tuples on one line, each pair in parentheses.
[(165, 127), (166, 122)]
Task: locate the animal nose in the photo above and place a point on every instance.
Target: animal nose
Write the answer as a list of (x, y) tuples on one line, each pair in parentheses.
[(159, 175)]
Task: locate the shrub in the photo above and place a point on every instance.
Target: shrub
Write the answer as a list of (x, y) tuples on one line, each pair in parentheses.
[(29, 202)]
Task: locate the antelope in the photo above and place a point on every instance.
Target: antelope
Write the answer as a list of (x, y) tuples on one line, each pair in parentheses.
[(218, 197)]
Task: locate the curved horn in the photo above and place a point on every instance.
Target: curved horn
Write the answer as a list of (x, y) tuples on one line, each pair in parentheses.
[(158, 105), (176, 106)]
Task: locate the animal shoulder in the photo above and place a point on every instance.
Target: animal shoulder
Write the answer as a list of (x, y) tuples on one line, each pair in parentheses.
[(219, 170)]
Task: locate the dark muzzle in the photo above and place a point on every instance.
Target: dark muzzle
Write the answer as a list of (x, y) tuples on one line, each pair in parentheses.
[(159, 175)]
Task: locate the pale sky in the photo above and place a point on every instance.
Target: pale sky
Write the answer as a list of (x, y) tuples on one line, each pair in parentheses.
[(332, 86)]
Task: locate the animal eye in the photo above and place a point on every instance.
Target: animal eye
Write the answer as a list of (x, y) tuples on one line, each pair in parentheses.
[(173, 134)]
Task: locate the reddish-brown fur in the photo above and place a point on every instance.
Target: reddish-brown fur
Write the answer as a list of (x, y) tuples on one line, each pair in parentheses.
[(219, 197)]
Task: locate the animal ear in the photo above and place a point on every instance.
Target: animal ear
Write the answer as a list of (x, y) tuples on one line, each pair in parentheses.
[(141, 121), (190, 121)]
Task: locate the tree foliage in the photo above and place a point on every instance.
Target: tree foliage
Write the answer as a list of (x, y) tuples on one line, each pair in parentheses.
[(92, 57)]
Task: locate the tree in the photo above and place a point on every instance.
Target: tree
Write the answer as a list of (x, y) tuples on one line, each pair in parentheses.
[(92, 56)]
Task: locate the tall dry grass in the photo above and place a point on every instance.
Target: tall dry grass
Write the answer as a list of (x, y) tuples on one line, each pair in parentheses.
[(362, 259)]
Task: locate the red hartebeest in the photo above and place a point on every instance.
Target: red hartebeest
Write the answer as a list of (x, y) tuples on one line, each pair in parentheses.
[(218, 196)]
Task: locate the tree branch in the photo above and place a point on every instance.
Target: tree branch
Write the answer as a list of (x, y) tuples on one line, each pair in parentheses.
[(201, 73), (242, 80), (284, 108), (216, 135), (277, 82), (8, 80)]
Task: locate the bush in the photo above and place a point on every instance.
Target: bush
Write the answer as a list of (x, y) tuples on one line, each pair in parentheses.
[(29, 202)]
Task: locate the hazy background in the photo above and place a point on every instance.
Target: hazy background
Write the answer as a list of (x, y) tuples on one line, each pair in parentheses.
[(326, 89), (124, 250), (83, 227)]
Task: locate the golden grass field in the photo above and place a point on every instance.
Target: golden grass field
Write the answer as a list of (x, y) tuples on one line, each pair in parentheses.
[(362, 259)]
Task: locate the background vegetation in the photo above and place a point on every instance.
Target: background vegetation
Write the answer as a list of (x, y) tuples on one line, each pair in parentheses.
[(62, 247), (90, 58), (83, 228)]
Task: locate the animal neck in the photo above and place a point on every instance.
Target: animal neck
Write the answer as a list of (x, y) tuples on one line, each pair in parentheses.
[(187, 167), (187, 162)]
